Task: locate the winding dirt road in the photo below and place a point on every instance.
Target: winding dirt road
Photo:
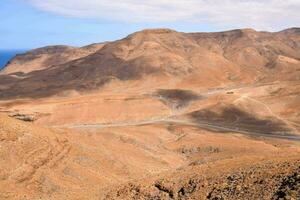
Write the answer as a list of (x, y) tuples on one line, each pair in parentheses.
[(203, 124), (171, 119)]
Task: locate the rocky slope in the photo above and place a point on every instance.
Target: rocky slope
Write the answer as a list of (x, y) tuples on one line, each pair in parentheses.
[(275, 179), (157, 115), (161, 162), (211, 58), (43, 58)]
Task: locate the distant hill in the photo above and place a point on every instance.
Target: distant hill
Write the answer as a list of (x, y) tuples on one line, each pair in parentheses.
[(7, 55), (243, 55)]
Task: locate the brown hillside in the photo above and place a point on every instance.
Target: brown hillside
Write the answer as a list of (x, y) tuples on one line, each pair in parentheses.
[(214, 58), (159, 114)]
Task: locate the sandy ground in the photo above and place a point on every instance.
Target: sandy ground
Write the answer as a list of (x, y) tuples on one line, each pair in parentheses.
[(93, 146)]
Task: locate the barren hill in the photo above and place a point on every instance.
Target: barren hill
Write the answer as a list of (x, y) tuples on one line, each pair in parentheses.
[(42, 58), (159, 114), (214, 58)]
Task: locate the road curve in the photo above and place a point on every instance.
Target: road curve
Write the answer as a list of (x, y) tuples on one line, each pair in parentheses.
[(181, 122)]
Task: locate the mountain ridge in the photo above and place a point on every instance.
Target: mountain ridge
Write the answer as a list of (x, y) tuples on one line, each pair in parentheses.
[(154, 53)]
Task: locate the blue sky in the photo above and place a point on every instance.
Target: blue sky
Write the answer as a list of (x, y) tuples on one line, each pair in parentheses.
[(27, 24)]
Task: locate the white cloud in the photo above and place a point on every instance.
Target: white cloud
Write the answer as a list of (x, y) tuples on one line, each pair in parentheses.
[(259, 14)]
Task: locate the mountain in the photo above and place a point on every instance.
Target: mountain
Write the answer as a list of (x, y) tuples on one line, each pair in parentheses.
[(159, 114), (212, 58)]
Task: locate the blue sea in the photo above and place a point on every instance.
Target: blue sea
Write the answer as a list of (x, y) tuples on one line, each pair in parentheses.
[(6, 55)]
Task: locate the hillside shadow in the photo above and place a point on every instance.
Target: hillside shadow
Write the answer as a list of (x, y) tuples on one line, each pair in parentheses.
[(236, 119), (176, 98)]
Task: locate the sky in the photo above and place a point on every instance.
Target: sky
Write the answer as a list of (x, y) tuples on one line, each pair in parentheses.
[(27, 24)]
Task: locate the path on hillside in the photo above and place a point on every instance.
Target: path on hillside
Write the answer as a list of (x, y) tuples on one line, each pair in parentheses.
[(202, 124), (245, 96)]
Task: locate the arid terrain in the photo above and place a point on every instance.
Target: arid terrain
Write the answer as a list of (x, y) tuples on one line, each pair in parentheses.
[(159, 114)]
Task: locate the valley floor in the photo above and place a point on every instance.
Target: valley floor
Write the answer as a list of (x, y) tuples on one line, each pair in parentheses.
[(223, 143)]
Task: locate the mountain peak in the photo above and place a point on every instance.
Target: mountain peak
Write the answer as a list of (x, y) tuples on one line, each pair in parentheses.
[(243, 31), (248, 30), (157, 31)]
